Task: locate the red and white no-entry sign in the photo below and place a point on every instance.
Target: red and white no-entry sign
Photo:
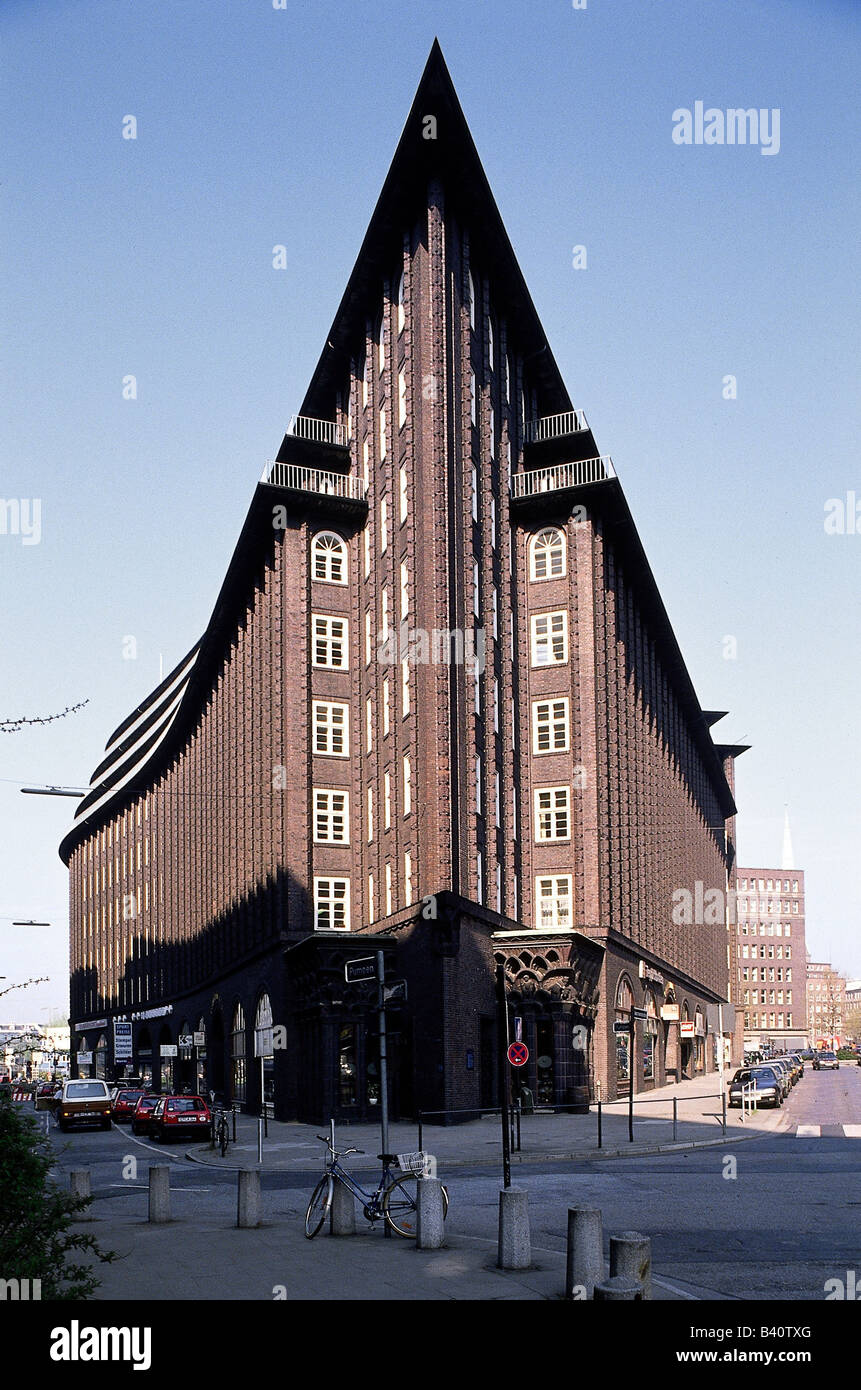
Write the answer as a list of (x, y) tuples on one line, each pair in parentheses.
[(518, 1054)]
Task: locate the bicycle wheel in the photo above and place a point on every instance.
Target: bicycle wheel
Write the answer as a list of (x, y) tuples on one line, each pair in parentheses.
[(318, 1207), (222, 1137), (400, 1204)]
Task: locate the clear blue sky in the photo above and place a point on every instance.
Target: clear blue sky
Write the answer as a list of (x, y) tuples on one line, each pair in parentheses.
[(259, 127)]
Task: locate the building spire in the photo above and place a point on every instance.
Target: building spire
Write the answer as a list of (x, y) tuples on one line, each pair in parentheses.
[(787, 856)]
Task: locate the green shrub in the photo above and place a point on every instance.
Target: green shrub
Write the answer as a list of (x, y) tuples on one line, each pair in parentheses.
[(36, 1238)]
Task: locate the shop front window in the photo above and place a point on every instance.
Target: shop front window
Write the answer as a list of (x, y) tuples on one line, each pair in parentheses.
[(347, 1070), (237, 1054), (263, 1046), (101, 1057), (545, 1062), (624, 1004)]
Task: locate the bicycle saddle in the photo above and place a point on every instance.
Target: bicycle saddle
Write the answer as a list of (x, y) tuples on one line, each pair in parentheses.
[(387, 1158)]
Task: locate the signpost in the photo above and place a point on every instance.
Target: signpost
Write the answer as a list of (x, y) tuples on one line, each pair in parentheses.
[(504, 1073)]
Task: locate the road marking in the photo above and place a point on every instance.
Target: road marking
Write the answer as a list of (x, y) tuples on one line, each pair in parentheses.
[(852, 1131), (808, 1131)]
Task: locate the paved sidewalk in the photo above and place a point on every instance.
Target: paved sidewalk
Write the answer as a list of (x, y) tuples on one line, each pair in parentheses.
[(544, 1136)]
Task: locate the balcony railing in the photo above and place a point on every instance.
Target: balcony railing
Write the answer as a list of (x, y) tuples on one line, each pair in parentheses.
[(555, 426), (562, 475), (318, 431), (299, 479)]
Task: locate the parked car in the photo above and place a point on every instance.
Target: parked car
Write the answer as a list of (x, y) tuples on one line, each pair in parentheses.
[(826, 1061), (768, 1086), (177, 1115), (797, 1057), (794, 1064), (140, 1117), (84, 1102), (808, 1054), (123, 1104)]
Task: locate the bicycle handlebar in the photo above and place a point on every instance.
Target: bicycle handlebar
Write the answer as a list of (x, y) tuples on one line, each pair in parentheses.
[(340, 1153)]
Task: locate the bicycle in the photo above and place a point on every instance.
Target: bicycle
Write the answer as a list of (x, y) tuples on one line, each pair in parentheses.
[(394, 1199), (220, 1131)]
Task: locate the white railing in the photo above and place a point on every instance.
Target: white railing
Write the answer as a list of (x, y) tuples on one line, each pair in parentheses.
[(748, 1099), (299, 479), (562, 475), (555, 426), (318, 431)]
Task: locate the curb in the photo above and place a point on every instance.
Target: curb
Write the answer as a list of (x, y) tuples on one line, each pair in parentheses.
[(578, 1155)]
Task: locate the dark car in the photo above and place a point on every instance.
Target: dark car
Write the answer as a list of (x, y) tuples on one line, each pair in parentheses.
[(124, 1103), (826, 1061), (768, 1087), (180, 1115), (140, 1117)]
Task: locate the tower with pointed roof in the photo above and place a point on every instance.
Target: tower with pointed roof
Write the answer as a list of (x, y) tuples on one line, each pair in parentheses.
[(439, 702)]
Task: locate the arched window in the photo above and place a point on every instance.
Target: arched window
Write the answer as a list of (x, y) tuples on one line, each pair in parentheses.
[(547, 555), (624, 1003), (263, 1046), (329, 558), (237, 1054), (401, 304)]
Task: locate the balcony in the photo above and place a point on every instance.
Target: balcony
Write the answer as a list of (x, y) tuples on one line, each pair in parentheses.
[(555, 426), (340, 492), (561, 477), (318, 431)]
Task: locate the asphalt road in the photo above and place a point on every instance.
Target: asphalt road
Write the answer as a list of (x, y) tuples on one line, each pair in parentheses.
[(765, 1218)]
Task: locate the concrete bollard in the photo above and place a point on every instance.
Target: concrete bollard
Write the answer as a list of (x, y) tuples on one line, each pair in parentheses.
[(248, 1201), (585, 1264), (631, 1258), (429, 1218), (79, 1182), (618, 1290), (514, 1250), (159, 1194), (343, 1211)]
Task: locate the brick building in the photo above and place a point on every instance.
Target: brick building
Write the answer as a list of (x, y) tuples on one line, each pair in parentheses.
[(438, 710), (826, 1004), (769, 949)]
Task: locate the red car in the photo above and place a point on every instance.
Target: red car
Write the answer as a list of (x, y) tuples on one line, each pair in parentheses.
[(176, 1115), (124, 1103), (142, 1111)]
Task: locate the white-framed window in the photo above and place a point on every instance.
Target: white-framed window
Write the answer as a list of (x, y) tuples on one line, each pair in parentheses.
[(490, 344), (366, 539), (381, 345), (493, 522), (492, 429), (550, 638), (383, 432), (479, 875), (547, 554), (331, 904), (499, 888), (475, 494), (405, 590), (366, 462), (553, 900), (404, 499), (372, 904), (552, 814), (387, 801), (384, 614), (408, 879), (329, 648), (365, 380), (475, 586), (370, 814), (496, 705), (368, 646), (388, 890), (497, 803), (470, 286), (550, 727), (402, 399), (331, 720), (386, 711), (477, 688), (408, 787), (495, 611), (328, 558), (331, 816), (507, 377), (473, 399), (401, 304), (405, 688), (369, 725), (384, 524)]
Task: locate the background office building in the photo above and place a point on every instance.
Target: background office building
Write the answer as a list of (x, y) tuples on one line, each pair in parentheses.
[(770, 964), (826, 1004), (439, 710)]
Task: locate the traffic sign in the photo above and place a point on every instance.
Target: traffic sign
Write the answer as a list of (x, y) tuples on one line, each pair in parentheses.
[(365, 968), (640, 1013), (518, 1054), (186, 1040), (396, 990), (621, 1027)]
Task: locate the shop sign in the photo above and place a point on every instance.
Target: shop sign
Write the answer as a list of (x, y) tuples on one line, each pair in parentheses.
[(670, 1013)]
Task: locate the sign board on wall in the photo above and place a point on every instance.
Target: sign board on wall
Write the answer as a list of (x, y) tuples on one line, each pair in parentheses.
[(670, 1013), (687, 1029), (122, 1041), (168, 1049)]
